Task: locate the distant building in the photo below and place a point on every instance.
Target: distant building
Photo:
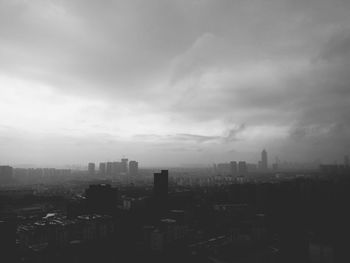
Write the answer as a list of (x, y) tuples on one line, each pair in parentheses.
[(116, 168), (264, 163), (6, 174), (102, 169), (275, 166), (346, 160), (124, 165), (233, 168), (91, 168), (109, 168), (242, 168), (223, 168), (251, 167), (133, 168)]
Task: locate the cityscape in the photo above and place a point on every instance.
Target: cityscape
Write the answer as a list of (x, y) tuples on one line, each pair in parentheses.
[(230, 212), (175, 131)]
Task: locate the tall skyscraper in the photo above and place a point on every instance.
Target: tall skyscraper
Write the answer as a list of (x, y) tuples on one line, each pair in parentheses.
[(264, 164), (91, 168), (133, 168)]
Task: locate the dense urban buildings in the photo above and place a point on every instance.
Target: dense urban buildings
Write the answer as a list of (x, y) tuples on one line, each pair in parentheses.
[(231, 212)]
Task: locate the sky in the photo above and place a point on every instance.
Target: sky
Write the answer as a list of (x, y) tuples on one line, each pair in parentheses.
[(174, 82)]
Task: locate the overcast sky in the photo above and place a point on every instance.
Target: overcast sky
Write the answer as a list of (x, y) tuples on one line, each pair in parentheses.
[(173, 82)]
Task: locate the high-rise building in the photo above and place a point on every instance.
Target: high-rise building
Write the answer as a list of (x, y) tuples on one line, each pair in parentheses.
[(109, 168), (124, 165), (264, 164), (91, 168), (160, 187), (6, 174), (133, 168), (242, 168), (346, 160), (102, 169), (116, 168), (233, 166)]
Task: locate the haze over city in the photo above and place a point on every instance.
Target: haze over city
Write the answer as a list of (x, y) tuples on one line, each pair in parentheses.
[(173, 82)]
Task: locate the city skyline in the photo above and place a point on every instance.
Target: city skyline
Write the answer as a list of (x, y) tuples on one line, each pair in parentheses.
[(188, 81), (258, 160)]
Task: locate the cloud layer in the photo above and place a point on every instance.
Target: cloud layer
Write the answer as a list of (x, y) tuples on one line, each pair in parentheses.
[(194, 81)]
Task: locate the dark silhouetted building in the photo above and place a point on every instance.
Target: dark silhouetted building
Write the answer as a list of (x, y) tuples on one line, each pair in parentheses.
[(133, 168), (160, 189), (101, 198)]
